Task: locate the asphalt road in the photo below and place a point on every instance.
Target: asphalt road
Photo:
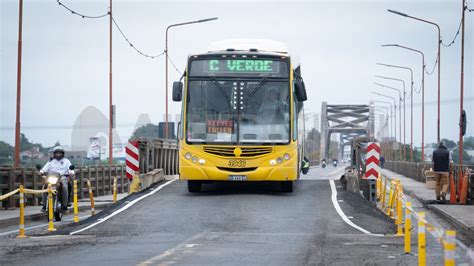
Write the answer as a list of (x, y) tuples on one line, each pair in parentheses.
[(234, 224)]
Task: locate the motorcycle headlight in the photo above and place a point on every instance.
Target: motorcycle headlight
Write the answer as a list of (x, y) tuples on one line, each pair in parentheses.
[(52, 180)]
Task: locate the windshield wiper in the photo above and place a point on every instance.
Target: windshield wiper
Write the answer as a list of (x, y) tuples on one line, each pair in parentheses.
[(259, 85), (221, 90)]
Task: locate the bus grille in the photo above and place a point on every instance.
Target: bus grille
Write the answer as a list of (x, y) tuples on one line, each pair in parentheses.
[(246, 151)]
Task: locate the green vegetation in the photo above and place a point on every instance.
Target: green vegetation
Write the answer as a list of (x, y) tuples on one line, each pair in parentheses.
[(147, 131)]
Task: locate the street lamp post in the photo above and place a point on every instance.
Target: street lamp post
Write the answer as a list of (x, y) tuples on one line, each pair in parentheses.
[(404, 110), (411, 103), (111, 112), (384, 115), (399, 108), (422, 93), (394, 110), (388, 116), (391, 117), (438, 59), (166, 63), (16, 159)]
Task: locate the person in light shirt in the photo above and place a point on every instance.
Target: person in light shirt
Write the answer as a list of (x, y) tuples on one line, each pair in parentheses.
[(58, 164)]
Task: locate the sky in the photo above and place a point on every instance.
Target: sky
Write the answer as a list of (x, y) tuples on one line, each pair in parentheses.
[(66, 58)]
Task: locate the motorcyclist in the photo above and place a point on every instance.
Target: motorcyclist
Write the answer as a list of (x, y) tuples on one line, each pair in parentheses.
[(59, 165)]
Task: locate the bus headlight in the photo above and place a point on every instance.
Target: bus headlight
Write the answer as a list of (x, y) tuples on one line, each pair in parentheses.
[(272, 162), (279, 160), (286, 156), (202, 161), (195, 159), (188, 155)]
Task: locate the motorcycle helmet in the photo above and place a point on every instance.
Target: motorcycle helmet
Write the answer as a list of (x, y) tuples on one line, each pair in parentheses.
[(58, 152)]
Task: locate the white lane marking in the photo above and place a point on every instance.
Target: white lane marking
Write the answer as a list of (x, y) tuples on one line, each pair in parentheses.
[(42, 225), (341, 213), (179, 248), (128, 205)]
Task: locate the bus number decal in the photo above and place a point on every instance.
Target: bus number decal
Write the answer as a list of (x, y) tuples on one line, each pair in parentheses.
[(237, 163)]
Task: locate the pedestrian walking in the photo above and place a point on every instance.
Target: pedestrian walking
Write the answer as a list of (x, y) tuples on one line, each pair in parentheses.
[(442, 163)]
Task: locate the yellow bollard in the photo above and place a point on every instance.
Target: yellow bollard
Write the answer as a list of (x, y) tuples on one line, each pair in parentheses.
[(384, 190), (399, 210), (76, 211), (91, 196), (450, 248), (21, 233), (50, 209), (115, 189), (378, 186), (407, 228), (421, 240), (390, 194)]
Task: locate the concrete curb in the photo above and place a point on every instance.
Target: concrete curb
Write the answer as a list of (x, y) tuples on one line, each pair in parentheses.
[(459, 224), (40, 215)]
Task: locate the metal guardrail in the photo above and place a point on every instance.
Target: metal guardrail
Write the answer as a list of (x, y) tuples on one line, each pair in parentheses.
[(153, 154), (158, 154), (417, 171), (101, 178)]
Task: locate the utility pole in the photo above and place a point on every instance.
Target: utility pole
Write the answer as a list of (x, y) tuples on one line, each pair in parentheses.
[(111, 118), (462, 89), (18, 89)]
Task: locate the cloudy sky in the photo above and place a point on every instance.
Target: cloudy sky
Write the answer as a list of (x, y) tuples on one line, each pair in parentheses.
[(65, 57)]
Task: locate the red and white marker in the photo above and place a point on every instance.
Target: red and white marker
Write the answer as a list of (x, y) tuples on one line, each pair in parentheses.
[(132, 159), (372, 164)]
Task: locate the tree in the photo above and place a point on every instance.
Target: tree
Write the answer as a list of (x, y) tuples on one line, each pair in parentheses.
[(312, 144), (147, 131), (468, 143), (6, 149), (465, 156), (449, 143)]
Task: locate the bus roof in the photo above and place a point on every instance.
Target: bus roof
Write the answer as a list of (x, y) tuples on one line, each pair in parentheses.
[(264, 46), (259, 45)]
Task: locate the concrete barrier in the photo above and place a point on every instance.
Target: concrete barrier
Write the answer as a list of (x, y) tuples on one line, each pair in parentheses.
[(148, 179)]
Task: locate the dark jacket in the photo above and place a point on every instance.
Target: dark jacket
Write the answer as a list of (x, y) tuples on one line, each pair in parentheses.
[(441, 159)]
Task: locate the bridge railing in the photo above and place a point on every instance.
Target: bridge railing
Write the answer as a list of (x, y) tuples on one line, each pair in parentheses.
[(101, 178), (416, 170), (158, 154), (154, 154)]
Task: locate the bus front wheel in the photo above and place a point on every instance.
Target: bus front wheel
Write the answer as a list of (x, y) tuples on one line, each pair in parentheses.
[(194, 186), (287, 186)]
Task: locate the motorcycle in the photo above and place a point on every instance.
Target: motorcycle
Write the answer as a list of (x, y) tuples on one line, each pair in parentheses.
[(56, 185), (334, 163), (323, 164)]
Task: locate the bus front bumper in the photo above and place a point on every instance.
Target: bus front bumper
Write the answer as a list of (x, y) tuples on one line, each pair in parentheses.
[(212, 173)]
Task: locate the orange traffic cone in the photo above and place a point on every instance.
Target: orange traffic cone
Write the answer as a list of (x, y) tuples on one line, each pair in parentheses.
[(452, 187), (463, 194)]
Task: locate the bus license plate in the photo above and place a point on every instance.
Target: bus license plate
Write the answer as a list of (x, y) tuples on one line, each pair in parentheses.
[(238, 178)]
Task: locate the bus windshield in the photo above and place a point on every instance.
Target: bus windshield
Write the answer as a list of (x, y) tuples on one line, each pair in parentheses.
[(254, 111)]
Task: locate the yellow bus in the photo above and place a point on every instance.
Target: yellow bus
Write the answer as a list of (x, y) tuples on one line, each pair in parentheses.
[(242, 115)]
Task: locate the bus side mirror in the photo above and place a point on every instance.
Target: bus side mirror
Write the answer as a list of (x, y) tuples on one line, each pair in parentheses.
[(177, 91), (463, 122), (300, 90)]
